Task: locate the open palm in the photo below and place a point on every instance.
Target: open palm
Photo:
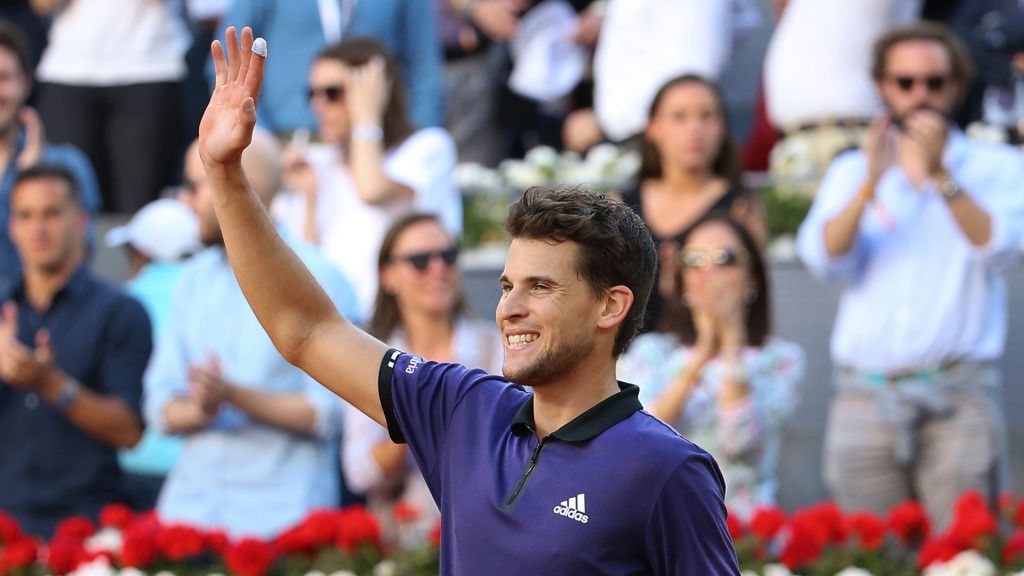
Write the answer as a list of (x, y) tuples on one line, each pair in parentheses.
[(227, 125)]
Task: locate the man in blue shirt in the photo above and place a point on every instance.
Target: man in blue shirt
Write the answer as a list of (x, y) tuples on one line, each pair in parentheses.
[(23, 144), (260, 437), (72, 353), (302, 29), (573, 478)]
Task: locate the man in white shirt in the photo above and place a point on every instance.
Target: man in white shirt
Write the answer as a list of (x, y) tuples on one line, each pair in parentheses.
[(920, 223)]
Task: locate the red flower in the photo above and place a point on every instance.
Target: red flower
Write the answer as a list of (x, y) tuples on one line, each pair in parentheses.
[(909, 522), (18, 554), (406, 512), (217, 541), (75, 528), (116, 516), (735, 526), (64, 554), (179, 542), (940, 549), (9, 528), (973, 522), (805, 541), (435, 535), (767, 522), (319, 529), (1013, 550), (868, 528), (357, 527), (829, 518), (139, 548), (250, 557)]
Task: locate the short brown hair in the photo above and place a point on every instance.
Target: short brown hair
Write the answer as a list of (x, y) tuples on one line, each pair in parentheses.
[(13, 40), (962, 67), (616, 247), (359, 51)]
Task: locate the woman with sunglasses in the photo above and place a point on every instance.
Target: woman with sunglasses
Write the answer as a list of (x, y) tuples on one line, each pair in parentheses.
[(719, 376), (419, 308), (371, 165), (689, 168)]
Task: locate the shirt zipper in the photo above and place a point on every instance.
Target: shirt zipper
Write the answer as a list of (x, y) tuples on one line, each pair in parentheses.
[(532, 464)]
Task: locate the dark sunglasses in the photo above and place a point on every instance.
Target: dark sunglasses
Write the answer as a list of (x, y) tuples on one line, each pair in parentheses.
[(329, 93), (699, 258), (421, 260), (934, 83)]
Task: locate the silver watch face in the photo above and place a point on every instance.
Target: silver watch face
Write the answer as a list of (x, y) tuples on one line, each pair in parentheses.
[(949, 188)]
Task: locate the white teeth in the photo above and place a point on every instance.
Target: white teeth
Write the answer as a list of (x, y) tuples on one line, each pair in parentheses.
[(514, 339)]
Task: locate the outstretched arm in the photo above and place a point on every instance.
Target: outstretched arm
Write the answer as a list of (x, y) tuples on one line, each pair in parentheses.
[(296, 313)]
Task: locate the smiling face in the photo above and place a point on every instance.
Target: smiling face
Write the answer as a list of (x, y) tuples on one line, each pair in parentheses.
[(433, 290), (717, 261), (547, 314)]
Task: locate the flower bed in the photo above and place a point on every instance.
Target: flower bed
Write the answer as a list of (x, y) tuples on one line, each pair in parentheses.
[(818, 541)]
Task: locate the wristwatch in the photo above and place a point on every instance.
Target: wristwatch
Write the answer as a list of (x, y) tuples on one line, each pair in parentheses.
[(67, 394), (947, 186)]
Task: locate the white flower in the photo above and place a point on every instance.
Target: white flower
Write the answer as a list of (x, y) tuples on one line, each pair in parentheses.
[(98, 567), (131, 572), (473, 177), (521, 174), (853, 571), (776, 570), (385, 568), (603, 154), (344, 573), (106, 540), (967, 563), (315, 573), (544, 157)]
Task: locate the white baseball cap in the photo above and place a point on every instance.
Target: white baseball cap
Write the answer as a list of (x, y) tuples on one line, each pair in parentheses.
[(164, 230)]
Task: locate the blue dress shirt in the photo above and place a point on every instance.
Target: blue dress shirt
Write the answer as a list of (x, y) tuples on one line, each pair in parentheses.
[(240, 475), (918, 293), (49, 468), (295, 35)]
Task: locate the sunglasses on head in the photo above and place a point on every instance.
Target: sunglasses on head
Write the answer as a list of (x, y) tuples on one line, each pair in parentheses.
[(329, 93), (700, 258), (421, 260), (934, 82)]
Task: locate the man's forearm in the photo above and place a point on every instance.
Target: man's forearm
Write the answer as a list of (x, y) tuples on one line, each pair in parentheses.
[(280, 290), (972, 219), (841, 231), (106, 418), (289, 412)]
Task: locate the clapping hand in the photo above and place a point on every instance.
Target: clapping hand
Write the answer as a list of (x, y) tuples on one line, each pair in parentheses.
[(20, 366), (924, 140), (227, 125), (879, 147), (32, 152), (207, 386)]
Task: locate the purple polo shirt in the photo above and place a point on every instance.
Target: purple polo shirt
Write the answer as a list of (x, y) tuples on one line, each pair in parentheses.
[(614, 491)]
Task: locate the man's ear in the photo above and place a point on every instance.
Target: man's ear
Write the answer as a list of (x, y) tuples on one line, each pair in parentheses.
[(615, 305)]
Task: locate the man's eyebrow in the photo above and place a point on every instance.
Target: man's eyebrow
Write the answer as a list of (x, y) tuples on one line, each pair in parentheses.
[(532, 280)]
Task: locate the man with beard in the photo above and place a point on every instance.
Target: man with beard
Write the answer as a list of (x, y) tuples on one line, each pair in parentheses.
[(23, 144), (260, 448), (72, 353), (920, 223), (571, 478)]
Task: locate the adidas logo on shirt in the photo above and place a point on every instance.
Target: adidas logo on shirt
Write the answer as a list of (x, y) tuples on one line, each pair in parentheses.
[(575, 508)]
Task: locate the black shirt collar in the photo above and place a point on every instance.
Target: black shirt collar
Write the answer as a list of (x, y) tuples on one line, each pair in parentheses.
[(594, 421), (76, 285)]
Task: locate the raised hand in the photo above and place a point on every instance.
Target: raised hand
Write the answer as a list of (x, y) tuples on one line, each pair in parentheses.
[(925, 135), (227, 125), (879, 148), (32, 152), (367, 95)]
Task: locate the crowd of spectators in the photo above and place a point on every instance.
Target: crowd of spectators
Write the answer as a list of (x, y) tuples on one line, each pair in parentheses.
[(167, 394)]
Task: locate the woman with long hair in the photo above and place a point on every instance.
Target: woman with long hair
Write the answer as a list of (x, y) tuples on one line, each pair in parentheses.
[(689, 168), (419, 309), (719, 376), (371, 166)]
